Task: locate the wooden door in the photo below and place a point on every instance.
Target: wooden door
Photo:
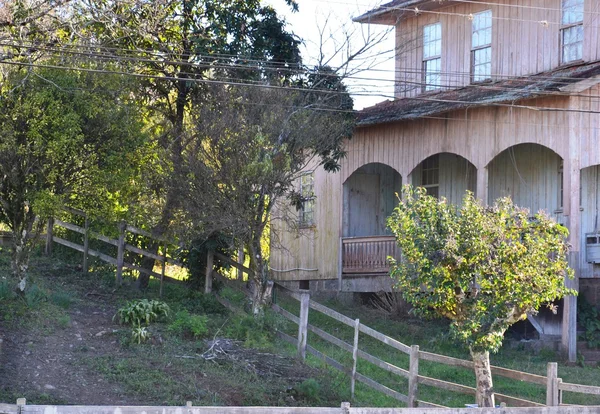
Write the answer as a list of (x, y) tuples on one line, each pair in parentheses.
[(363, 205)]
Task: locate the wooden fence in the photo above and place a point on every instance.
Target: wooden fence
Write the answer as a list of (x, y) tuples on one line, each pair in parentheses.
[(553, 384), (345, 408), (119, 260)]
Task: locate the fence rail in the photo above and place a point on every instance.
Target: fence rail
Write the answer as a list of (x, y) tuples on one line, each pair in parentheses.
[(554, 385), (120, 244), (344, 408)]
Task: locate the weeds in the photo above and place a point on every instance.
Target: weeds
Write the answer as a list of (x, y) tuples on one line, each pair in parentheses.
[(188, 325), (142, 311)]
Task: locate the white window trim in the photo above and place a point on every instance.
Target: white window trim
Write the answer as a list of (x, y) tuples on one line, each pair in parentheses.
[(427, 86), (566, 26), (477, 48)]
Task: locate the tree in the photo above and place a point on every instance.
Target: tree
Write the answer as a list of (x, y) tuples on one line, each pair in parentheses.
[(253, 143), (64, 136), (483, 268), (182, 46)]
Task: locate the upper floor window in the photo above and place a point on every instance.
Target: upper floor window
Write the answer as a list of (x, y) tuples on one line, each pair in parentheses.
[(432, 56), (481, 46), (308, 199), (571, 32)]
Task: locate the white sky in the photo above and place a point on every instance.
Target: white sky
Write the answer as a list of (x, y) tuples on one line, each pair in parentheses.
[(376, 84)]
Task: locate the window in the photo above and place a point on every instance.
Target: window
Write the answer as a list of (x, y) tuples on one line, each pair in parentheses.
[(561, 184), (308, 199), (430, 175), (571, 32), (481, 46), (432, 56)]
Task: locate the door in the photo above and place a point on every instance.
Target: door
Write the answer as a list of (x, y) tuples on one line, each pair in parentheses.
[(363, 200)]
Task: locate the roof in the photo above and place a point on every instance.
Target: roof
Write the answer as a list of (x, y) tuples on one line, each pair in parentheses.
[(561, 82), (389, 13)]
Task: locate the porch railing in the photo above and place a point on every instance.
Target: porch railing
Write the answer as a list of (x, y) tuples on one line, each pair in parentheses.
[(365, 255)]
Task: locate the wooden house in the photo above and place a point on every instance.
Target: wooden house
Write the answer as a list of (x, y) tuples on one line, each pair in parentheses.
[(500, 97)]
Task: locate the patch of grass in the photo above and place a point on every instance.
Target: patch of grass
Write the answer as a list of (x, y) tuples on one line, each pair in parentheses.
[(431, 336), (188, 325), (62, 299), (35, 296)]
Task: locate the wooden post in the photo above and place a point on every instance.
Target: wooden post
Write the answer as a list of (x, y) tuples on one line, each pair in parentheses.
[(121, 253), (162, 270), (354, 357), (413, 377), (557, 393), (552, 374), (209, 269), (240, 260), (303, 325), (86, 244), (49, 235), (21, 402)]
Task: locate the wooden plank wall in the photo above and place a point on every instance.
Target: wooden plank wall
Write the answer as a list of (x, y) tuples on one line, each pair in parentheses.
[(521, 45), (457, 175), (529, 174), (478, 135)]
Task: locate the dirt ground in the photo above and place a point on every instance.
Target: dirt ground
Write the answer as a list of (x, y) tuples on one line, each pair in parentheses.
[(82, 361)]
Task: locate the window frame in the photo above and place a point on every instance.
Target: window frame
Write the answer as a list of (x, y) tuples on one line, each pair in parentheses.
[(481, 47), (307, 206), (564, 27), (431, 164), (426, 59)]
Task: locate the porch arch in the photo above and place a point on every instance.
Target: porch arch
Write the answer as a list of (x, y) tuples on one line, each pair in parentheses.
[(531, 174), (446, 175), (499, 150), (369, 197)]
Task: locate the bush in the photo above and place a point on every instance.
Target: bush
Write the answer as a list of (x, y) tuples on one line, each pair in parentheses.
[(188, 325), (142, 311)]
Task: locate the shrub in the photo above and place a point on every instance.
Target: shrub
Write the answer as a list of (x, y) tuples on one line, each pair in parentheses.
[(309, 390), (142, 311), (186, 324)]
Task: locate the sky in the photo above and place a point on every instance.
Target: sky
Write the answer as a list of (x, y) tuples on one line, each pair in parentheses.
[(369, 86)]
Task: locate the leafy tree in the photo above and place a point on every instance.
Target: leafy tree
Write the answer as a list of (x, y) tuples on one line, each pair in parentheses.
[(483, 268), (179, 45), (253, 144), (64, 136)]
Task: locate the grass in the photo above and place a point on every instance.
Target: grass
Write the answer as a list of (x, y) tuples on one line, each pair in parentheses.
[(430, 336), (156, 372)]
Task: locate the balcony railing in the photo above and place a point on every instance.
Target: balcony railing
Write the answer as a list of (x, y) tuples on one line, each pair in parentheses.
[(367, 255)]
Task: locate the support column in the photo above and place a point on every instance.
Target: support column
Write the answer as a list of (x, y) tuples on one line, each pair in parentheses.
[(572, 212), (482, 185)]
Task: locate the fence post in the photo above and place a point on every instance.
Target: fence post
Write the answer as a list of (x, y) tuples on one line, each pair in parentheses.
[(86, 244), (413, 377), (557, 393), (303, 325), (354, 356), (121, 252), (552, 374), (49, 235), (21, 402), (162, 270), (209, 270)]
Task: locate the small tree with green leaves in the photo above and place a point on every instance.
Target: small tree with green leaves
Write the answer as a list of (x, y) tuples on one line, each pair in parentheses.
[(483, 268)]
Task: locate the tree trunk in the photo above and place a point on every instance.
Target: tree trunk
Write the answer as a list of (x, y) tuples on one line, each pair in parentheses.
[(483, 375), (20, 259)]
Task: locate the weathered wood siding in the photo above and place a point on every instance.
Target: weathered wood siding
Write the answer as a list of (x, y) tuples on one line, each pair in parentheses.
[(369, 198), (529, 174), (456, 176), (309, 253), (478, 135), (590, 218), (521, 45)]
